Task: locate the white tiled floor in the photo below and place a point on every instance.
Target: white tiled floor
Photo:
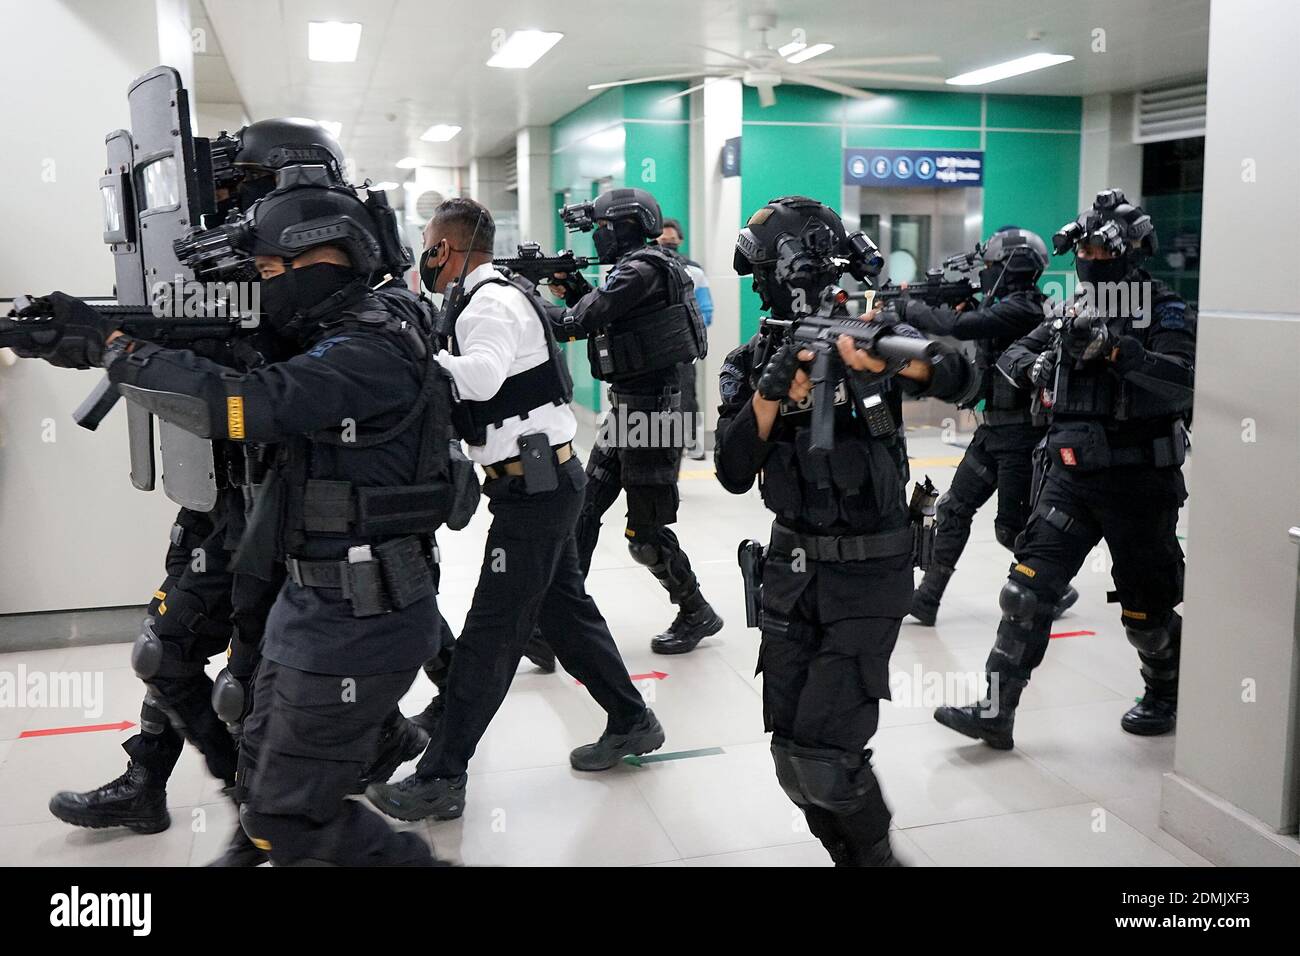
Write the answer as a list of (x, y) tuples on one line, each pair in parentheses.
[(1077, 791)]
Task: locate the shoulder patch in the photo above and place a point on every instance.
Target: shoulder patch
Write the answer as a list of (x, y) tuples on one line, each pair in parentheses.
[(1172, 314), (320, 348)]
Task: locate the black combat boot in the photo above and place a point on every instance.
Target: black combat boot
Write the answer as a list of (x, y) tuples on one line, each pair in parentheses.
[(241, 851), (404, 740), (688, 629), (1064, 602), (645, 736), (925, 602), (1155, 714), (429, 718), (416, 798), (981, 720), (134, 800)]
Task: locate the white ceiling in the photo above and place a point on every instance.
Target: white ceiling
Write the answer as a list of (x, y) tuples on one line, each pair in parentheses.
[(423, 61)]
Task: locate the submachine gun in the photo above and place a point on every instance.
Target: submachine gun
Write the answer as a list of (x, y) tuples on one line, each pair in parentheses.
[(819, 332), (952, 283), (536, 267)]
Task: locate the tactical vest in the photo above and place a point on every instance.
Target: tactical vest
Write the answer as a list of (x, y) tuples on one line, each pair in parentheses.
[(1096, 390), (860, 485), (1004, 403), (547, 382), (658, 335), (314, 507)]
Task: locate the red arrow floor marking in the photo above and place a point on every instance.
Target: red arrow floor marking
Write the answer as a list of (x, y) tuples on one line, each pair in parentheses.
[(652, 675), (1074, 634), (84, 729)]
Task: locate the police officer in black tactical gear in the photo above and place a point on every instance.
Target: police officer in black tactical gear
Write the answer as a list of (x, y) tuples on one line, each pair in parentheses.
[(837, 577), (1115, 368), (358, 484), (513, 390), (640, 325), (189, 617), (1000, 455)]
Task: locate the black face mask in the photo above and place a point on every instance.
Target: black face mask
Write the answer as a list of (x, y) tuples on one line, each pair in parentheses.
[(991, 280), (1098, 271), (429, 273), (606, 243), (670, 245), (286, 297)]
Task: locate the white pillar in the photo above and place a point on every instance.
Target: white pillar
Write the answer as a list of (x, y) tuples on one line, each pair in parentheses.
[(1235, 790), (76, 534), (1108, 157), (716, 113), (536, 198)]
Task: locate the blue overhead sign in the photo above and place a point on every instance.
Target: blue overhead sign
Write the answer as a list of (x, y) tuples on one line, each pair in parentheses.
[(918, 168)]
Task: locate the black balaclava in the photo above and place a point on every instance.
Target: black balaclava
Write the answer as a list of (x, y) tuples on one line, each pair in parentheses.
[(289, 297)]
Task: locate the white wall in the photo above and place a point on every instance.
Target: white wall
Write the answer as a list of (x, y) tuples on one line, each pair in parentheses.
[(1108, 157), (73, 532), (1236, 783)]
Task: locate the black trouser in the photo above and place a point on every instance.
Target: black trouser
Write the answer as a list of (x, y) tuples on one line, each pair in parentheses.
[(305, 744), (652, 500), (824, 675), (1136, 511), (190, 615), (999, 458), (686, 375), (530, 575)]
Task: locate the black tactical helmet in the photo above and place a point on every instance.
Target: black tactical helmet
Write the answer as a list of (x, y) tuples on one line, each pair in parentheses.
[(306, 210), (1014, 258), (268, 146), (795, 247), (1113, 224), (624, 220)]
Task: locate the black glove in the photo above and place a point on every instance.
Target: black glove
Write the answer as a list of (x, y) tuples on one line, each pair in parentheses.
[(1129, 354), (778, 374), (1043, 369), (575, 286), (78, 330), (1085, 337)]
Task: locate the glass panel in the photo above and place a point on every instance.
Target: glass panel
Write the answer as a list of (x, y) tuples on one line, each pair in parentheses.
[(161, 186)]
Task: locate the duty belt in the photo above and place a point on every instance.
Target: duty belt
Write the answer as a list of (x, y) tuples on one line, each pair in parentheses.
[(515, 467), (324, 574), (849, 547), (668, 400), (1008, 416)]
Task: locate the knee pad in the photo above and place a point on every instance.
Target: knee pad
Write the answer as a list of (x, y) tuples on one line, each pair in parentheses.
[(644, 552), (147, 652), (785, 772), (257, 827), (1019, 604), (835, 780), (229, 698)]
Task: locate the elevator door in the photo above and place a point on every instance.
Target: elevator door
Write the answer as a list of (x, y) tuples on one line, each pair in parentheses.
[(916, 229)]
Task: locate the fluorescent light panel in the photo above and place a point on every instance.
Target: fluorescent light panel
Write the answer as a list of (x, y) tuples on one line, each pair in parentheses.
[(1001, 71), (408, 162), (807, 53), (523, 48), (333, 42), (439, 133)]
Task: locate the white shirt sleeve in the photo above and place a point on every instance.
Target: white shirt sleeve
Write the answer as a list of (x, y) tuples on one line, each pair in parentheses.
[(488, 333)]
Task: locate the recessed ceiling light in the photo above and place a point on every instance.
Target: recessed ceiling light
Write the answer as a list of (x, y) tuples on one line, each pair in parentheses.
[(817, 49), (333, 128), (794, 46), (408, 162), (382, 187), (1000, 71), (439, 133), (333, 42), (523, 48)]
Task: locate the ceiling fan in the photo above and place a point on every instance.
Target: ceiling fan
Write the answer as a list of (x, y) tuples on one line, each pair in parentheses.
[(769, 67)]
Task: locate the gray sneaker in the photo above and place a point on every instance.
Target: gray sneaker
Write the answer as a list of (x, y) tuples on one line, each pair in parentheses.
[(645, 736)]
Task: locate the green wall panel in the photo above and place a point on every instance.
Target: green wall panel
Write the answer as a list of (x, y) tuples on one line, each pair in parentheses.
[(915, 108), (1031, 180), (646, 101), (913, 138), (1035, 112), (795, 104), (596, 114)]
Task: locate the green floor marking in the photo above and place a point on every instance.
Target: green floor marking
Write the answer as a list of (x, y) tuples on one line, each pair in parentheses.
[(679, 755)]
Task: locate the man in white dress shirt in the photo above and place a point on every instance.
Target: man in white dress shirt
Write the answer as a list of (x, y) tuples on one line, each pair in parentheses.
[(513, 390)]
